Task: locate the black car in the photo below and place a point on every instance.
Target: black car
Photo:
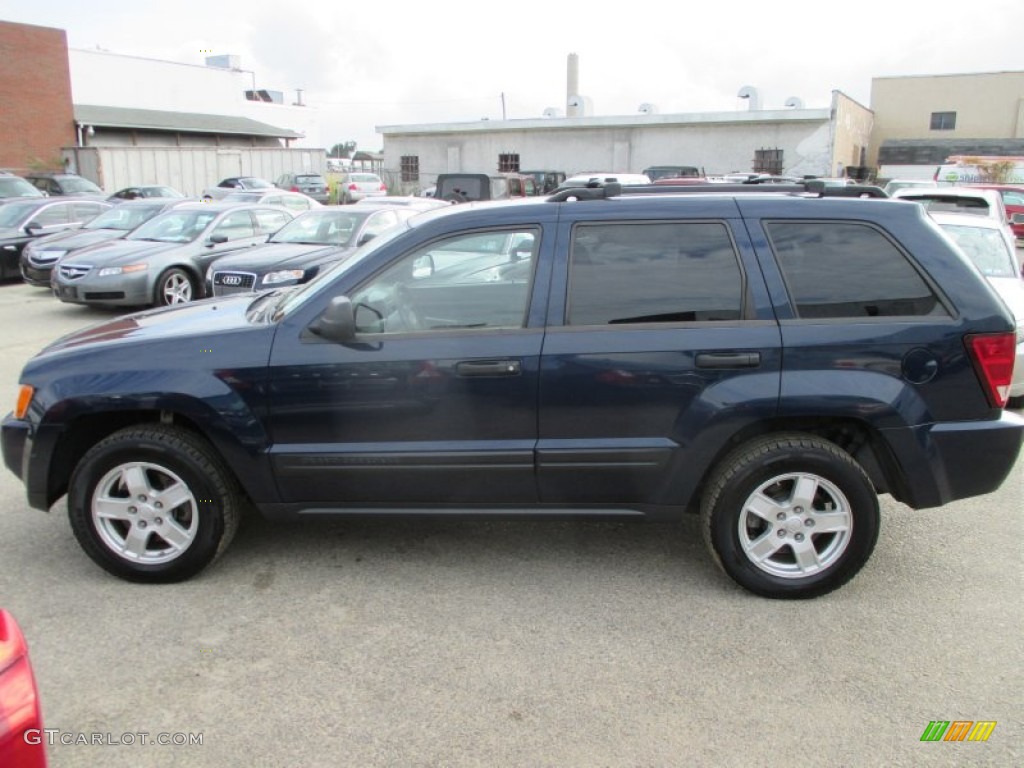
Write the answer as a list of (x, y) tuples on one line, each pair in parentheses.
[(40, 255), (144, 190), (303, 247), (769, 361), (64, 184), (24, 220)]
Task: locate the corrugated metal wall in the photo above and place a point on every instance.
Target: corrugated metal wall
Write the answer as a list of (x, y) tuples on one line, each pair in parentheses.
[(188, 169)]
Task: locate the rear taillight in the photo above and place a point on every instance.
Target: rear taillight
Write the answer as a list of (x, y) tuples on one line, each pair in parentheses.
[(353, 186), (383, 188), (21, 735), (295, 189), (992, 355)]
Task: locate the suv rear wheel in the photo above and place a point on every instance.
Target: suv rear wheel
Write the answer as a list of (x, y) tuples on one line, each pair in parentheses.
[(153, 504), (790, 516)]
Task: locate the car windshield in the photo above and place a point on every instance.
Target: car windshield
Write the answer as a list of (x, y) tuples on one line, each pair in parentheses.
[(123, 217), (80, 186), (174, 226), (986, 247), (291, 301), (309, 180), (257, 184), (14, 187), (12, 214), (329, 227)]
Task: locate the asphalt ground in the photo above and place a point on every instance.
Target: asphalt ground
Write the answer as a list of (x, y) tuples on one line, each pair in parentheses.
[(452, 643)]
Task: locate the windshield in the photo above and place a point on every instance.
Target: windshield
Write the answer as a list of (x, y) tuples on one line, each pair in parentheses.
[(329, 227), (125, 219), (14, 187), (80, 186), (13, 214), (987, 248), (292, 301), (174, 226), (257, 184)]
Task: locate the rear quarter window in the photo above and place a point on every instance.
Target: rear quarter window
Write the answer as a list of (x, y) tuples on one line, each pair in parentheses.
[(848, 270)]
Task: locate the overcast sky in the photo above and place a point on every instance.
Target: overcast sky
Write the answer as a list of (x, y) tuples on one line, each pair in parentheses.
[(415, 61)]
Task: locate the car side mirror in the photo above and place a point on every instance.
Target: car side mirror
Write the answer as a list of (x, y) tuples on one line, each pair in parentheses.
[(337, 322), (366, 238), (32, 226), (218, 239)]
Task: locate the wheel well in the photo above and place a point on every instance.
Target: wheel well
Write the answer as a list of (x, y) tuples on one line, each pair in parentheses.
[(856, 438), (84, 432)]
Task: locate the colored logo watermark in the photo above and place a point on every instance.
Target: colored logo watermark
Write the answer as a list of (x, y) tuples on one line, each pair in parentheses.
[(958, 730)]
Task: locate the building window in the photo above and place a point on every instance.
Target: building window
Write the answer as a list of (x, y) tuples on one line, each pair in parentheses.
[(410, 167), (508, 163), (768, 161), (943, 121)]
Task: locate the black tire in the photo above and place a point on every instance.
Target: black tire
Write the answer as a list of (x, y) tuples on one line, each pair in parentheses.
[(108, 515), (174, 286), (785, 550)]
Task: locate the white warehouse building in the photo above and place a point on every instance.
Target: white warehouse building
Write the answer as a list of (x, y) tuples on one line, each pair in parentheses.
[(822, 142)]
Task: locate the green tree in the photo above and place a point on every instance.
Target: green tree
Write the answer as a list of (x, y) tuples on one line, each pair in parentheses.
[(343, 150)]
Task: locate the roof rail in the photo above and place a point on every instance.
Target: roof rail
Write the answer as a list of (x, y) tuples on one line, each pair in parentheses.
[(596, 190)]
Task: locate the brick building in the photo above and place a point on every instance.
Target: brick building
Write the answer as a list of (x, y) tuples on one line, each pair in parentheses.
[(36, 118)]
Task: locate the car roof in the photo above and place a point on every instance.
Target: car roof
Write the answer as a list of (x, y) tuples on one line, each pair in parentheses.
[(966, 220)]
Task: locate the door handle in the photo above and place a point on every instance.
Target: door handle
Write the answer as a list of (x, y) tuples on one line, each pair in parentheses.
[(728, 359), (488, 368)]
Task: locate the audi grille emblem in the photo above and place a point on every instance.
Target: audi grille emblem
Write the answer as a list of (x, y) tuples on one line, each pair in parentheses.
[(231, 280)]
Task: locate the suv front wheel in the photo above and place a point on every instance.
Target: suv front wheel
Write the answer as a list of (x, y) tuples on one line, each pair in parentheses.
[(153, 503), (790, 516)]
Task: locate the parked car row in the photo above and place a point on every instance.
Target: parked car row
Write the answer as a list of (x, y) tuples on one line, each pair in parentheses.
[(160, 251)]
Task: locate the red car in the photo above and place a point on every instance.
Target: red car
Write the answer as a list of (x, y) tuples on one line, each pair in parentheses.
[(1013, 199), (21, 722)]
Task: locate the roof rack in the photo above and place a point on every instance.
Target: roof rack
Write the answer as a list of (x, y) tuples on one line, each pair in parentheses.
[(597, 190)]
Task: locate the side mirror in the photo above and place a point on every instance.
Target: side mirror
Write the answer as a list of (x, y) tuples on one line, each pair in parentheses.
[(218, 239), (366, 238), (33, 226), (337, 322)]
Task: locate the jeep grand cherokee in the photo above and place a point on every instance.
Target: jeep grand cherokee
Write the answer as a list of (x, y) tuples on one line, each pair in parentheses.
[(770, 362)]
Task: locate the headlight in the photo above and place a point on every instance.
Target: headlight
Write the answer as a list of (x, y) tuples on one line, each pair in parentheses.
[(107, 271), (283, 276)]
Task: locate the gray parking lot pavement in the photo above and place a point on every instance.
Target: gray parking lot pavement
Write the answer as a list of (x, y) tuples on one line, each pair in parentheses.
[(491, 643)]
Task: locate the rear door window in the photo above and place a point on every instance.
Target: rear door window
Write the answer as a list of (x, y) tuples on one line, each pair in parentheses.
[(676, 272)]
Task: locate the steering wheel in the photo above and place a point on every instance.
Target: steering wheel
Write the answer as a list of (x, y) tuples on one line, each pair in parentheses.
[(407, 316)]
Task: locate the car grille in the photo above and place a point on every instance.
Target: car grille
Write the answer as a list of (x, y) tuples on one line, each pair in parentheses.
[(225, 283), (74, 272), (45, 258)]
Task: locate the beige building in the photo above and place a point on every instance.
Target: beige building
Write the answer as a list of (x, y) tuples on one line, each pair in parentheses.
[(921, 120)]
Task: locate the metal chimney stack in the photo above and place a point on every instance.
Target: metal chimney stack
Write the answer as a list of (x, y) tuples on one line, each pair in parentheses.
[(573, 105)]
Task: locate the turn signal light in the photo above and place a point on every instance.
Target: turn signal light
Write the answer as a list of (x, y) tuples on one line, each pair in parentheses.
[(25, 392)]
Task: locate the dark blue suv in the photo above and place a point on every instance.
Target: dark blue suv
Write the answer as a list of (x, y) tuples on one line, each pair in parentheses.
[(771, 362)]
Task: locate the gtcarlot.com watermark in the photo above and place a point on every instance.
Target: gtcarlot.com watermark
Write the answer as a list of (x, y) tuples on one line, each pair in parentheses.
[(53, 736)]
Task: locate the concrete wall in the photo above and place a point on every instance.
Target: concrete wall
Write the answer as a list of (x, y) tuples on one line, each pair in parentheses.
[(988, 105), (852, 125), (188, 169), (718, 142), (111, 80), (36, 117)]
